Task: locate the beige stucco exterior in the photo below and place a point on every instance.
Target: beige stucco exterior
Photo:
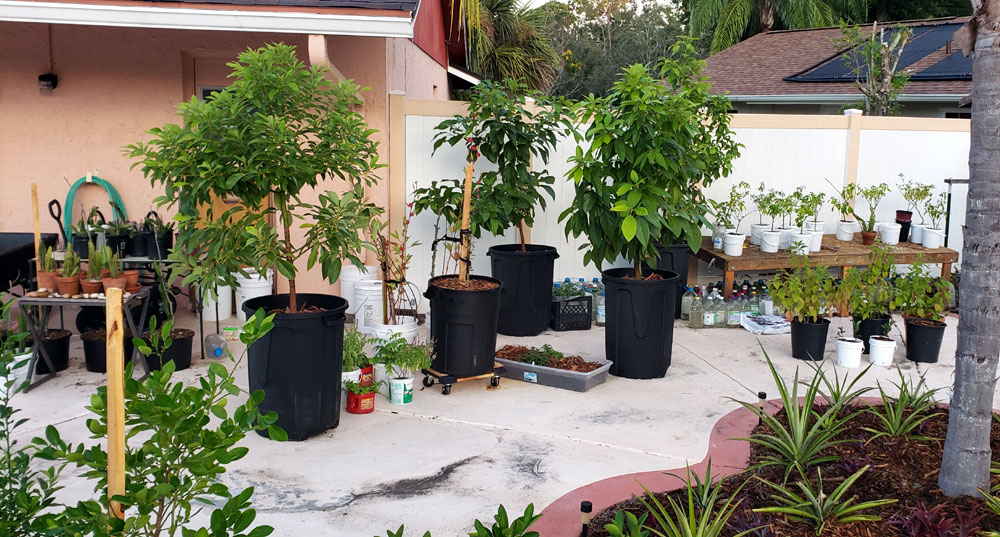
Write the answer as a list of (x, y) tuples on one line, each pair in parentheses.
[(117, 83)]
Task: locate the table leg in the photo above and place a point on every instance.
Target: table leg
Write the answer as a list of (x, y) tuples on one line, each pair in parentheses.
[(136, 331), (38, 350), (946, 270), (693, 267), (842, 309), (727, 283)]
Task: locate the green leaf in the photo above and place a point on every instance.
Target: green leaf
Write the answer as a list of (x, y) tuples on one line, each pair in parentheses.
[(628, 227)]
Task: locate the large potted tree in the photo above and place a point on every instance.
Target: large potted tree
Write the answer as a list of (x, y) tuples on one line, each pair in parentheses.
[(516, 129), (656, 140), (267, 141)]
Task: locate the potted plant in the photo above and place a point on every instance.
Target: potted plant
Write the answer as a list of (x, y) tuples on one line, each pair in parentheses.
[(770, 205), (85, 231), (68, 280), (355, 358), (761, 200), (14, 343), (936, 209), (849, 350), (168, 343), (872, 196), (923, 301), (810, 206), (401, 358), (361, 397), (869, 294), (50, 269), (399, 296), (787, 204), (631, 195), (322, 136), (56, 344), (91, 282), (138, 240), (914, 194), (159, 236), (804, 293), (729, 214), (116, 236), (800, 241), (113, 266), (95, 349), (842, 203)]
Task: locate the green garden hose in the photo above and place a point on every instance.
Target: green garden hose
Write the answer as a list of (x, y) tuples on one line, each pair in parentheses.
[(117, 205)]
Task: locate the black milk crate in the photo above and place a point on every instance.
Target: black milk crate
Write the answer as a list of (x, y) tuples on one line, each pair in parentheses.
[(571, 313)]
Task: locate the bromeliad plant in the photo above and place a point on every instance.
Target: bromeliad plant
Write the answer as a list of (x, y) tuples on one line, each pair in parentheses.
[(656, 140), (275, 132), (687, 518), (899, 416)]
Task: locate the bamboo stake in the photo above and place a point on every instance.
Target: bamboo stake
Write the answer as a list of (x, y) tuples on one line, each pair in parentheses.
[(38, 228), (116, 399), (463, 266)]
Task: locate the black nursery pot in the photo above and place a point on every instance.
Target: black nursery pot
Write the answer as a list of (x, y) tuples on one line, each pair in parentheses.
[(674, 258), (904, 230), (464, 327), (80, 243), (864, 329), (117, 244), (179, 351), (923, 340), (95, 350), (298, 363), (56, 344), (138, 244), (157, 247), (640, 322), (809, 339), (526, 295)]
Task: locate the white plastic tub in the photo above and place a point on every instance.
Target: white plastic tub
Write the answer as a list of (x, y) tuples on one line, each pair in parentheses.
[(225, 294), (849, 351), (890, 233), (770, 241), (349, 277), (881, 350), (933, 238), (368, 296), (251, 286), (755, 231), (917, 233), (733, 244), (846, 229), (407, 327), (816, 242)]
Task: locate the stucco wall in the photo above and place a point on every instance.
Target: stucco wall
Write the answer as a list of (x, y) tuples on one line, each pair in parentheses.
[(413, 72)]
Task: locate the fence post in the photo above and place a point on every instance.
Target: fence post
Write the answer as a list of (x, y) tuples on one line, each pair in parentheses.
[(116, 399), (854, 118)]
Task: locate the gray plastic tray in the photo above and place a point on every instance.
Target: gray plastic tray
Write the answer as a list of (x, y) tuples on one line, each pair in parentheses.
[(557, 378)]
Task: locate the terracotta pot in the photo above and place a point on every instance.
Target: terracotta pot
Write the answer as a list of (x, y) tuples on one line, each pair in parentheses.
[(91, 286), (47, 280), (68, 286), (131, 278), (110, 282), (868, 237), (105, 273), (133, 289)]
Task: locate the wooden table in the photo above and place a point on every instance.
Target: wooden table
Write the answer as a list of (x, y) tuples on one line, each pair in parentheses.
[(834, 253)]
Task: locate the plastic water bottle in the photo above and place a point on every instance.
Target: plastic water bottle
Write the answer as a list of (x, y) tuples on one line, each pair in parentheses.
[(696, 317), (602, 312), (215, 346), (686, 301)]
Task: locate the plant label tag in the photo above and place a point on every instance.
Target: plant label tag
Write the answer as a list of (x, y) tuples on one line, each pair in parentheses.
[(530, 377)]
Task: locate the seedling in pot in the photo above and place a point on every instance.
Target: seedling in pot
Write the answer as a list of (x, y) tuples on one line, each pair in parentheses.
[(401, 358), (354, 350), (937, 208), (362, 389), (729, 213)]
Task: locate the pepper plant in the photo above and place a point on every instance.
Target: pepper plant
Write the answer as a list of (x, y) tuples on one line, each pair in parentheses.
[(871, 194), (266, 139), (920, 295), (809, 206), (656, 140), (729, 213), (762, 200), (804, 292), (914, 194), (937, 208)]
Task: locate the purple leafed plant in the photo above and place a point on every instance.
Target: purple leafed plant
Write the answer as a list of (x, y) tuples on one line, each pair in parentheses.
[(745, 519), (924, 521)]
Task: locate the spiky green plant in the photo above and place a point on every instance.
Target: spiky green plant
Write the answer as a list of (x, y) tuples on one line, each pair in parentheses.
[(686, 519), (840, 391), (901, 415)]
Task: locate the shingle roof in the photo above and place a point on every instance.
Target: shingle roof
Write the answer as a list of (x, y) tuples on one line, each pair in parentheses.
[(393, 5), (758, 65)]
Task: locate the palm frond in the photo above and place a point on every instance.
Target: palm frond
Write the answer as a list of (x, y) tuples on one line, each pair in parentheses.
[(733, 20)]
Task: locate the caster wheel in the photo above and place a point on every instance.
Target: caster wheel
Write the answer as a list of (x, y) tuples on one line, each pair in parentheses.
[(428, 382), (446, 389), (494, 381)]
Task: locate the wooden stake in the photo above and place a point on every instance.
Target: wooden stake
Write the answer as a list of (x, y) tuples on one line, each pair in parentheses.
[(116, 399), (38, 228), (463, 266)]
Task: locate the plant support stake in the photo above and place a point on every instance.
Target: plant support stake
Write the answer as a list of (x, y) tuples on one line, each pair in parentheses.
[(463, 262), (116, 399)]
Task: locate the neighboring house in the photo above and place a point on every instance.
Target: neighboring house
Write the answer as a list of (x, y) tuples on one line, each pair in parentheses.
[(802, 72), (123, 65)]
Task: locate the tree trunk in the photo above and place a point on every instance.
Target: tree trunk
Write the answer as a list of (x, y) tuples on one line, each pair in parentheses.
[(766, 8), (965, 466)]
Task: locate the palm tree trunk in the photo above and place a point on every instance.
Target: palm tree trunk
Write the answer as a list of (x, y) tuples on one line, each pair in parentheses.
[(966, 463), (766, 8)]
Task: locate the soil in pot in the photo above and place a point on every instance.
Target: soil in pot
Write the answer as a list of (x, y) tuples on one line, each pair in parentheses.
[(56, 343), (923, 340), (866, 328), (179, 351), (95, 347), (640, 322), (809, 339), (520, 353), (526, 296), (463, 324)]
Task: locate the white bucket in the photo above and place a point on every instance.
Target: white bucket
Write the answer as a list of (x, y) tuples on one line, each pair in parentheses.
[(786, 238), (816, 242), (18, 374), (733, 244), (933, 238), (917, 233), (755, 231), (799, 243), (407, 327), (351, 275), (849, 352), (382, 376), (890, 233), (225, 304), (368, 296), (769, 241), (249, 287), (819, 225), (845, 230), (880, 352), (401, 391)]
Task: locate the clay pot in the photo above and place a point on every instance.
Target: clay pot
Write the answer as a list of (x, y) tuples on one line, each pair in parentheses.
[(868, 237), (47, 280), (105, 273), (131, 278), (68, 286), (91, 286), (133, 289), (110, 282)]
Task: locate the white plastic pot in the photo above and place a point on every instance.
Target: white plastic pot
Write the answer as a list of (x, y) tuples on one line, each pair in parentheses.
[(381, 375), (881, 350), (917, 233), (755, 231), (225, 294), (799, 243), (849, 351), (407, 327), (846, 229), (18, 374), (368, 296), (786, 238), (770, 241), (401, 391), (890, 233), (819, 225), (733, 244), (251, 286), (354, 376), (351, 275), (933, 238), (816, 243)]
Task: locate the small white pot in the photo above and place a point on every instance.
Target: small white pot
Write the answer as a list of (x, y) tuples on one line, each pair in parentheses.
[(733, 244), (407, 327), (816, 244), (770, 241), (846, 229), (786, 238), (799, 243), (849, 351), (890, 233), (819, 225), (401, 391), (917, 233), (755, 231), (881, 350), (933, 238), (345, 376), (18, 374)]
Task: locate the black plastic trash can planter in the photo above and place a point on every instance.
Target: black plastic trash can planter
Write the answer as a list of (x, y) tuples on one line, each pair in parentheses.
[(298, 363), (674, 258), (526, 298), (640, 323), (464, 328)]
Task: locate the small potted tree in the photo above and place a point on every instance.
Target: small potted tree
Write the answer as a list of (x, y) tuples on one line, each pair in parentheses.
[(923, 301), (804, 293), (50, 269), (843, 204), (401, 358), (68, 280), (728, 215), (399, 296), (872, 196), (631, 195), (761, 199), (770, 239), (936, 209), (800, 240), (271, 137), (787, 204), (354, 356), (810, 206), (914, 194), (871, 295)]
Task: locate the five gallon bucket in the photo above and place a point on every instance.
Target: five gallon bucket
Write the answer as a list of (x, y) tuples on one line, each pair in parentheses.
[(251, 286), (368, 297), (225, 296), (349, 277)]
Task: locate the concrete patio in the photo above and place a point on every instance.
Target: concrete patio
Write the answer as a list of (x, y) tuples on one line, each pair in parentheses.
[(443, 461)]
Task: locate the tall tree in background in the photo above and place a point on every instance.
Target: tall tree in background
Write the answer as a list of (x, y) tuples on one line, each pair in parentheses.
[(874, 65), (965, 466), (506, 40), (904, 10)]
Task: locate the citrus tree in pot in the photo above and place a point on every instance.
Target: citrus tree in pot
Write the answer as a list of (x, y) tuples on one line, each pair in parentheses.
[(804, 293), (511, 125), (871, 294), (923, 301), (273, 134), (655, 140)]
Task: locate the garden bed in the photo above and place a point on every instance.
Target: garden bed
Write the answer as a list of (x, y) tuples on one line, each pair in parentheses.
[(549, 367)]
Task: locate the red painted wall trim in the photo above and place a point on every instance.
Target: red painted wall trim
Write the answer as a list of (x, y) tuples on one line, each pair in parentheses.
[(428, 31)]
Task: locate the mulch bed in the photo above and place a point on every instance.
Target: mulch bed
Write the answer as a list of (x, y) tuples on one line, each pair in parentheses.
[(475, 284), (569, 363), (906, 470)]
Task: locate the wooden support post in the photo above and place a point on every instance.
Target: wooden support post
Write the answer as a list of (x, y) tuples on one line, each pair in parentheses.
[(727, 283), (694, 265), (116, 399), (463, 265), (38, 229)]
